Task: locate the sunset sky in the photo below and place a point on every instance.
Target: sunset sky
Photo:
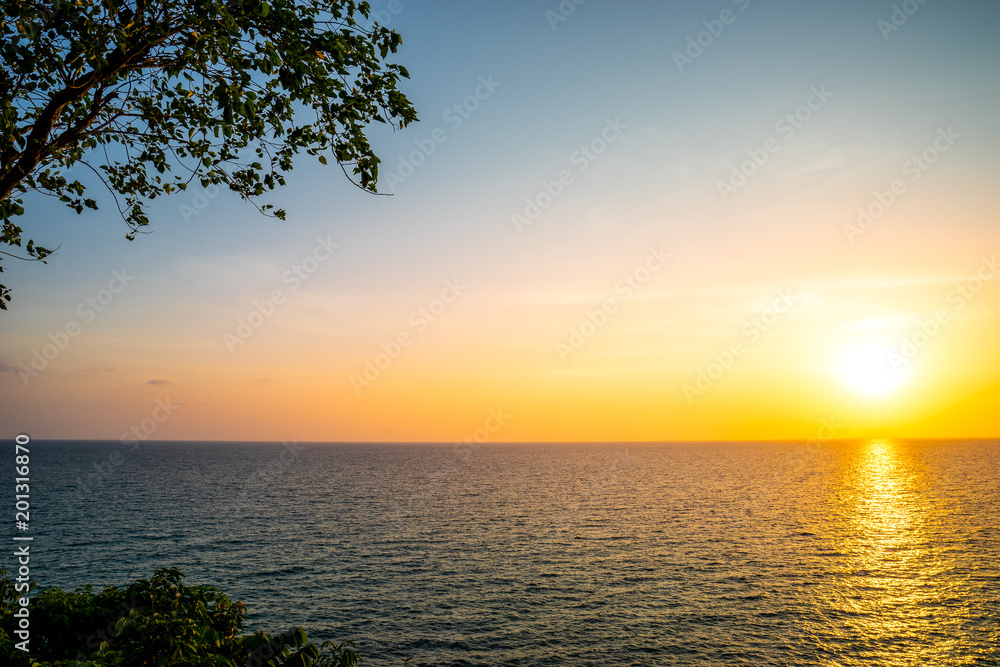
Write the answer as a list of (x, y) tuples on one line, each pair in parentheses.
[(628, 221)]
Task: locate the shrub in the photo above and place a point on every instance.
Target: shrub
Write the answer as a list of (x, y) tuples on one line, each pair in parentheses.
[(159, 622)]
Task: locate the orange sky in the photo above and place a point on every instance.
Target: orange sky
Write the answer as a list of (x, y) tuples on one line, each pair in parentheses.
[(794, 235)]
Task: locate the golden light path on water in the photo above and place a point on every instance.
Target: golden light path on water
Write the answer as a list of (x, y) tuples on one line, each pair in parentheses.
[(901, 583)]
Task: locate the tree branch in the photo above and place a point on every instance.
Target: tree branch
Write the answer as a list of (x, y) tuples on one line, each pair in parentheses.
[(38, 145)]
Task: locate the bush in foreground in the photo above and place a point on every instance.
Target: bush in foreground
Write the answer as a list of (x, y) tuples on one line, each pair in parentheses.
[(159, 622)]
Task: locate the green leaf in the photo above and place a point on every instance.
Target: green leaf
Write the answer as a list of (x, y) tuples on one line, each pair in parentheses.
[(230, 71)]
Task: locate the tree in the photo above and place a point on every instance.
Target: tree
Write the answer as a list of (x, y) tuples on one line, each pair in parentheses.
[(157, 622), (154, 95)]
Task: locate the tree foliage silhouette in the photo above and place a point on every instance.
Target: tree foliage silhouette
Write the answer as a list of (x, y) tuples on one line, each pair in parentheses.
[(154, 95), (156, 622)]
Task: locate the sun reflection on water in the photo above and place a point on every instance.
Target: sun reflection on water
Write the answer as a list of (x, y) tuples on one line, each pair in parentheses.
[(894, 580)]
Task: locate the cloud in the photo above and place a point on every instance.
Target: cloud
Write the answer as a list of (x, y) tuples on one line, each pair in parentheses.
[(158, 382)]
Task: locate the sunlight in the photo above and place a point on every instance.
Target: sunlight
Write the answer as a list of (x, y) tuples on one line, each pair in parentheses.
[(866, 369), (889, 552)]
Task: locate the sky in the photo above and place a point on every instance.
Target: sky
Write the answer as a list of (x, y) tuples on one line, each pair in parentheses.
[(615, 221)]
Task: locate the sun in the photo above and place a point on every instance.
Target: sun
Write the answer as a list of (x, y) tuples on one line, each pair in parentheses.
[(866, 368)]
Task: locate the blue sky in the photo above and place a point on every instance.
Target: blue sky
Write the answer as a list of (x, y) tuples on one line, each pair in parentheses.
[(554, 87)]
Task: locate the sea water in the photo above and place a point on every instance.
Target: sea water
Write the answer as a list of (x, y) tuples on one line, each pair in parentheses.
[(729, 553)]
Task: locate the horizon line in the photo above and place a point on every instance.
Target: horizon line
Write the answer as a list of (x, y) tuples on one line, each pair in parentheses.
[(510, 442)]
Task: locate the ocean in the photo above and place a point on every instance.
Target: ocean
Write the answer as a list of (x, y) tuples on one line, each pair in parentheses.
[(760, 553)]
